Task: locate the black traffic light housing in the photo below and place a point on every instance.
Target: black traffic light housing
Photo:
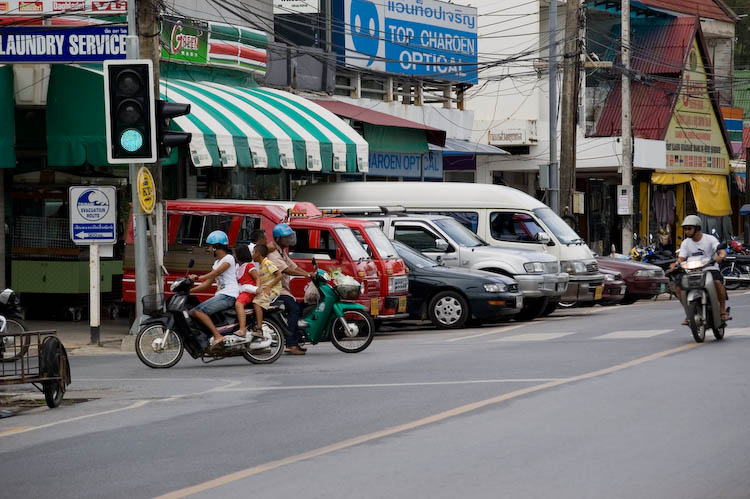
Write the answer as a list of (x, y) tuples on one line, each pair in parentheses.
[(166, 138), (129, 111)]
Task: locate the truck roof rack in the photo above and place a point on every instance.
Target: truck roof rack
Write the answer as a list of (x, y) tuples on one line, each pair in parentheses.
[(363, 210)]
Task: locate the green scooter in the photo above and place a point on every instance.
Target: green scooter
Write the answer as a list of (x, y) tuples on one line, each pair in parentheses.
[(349, 325)]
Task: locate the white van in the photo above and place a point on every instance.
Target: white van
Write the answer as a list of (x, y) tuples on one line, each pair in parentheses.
[(500, 215)]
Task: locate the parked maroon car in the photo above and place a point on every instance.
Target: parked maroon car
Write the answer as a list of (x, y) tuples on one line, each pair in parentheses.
[(614, 287), (643, 280)]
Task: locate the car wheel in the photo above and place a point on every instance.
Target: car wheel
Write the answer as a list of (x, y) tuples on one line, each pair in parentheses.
[(448, 310)]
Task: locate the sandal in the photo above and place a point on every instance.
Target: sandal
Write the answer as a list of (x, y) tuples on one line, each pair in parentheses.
[(726, 317), (684, 323)]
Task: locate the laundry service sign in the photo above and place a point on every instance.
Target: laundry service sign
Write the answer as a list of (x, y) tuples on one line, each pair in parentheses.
[(69, 44)]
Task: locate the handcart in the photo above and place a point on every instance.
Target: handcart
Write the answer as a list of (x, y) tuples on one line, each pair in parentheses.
[(39, 358)]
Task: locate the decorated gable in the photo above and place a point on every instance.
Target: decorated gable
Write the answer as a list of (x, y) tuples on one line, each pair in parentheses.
[(695, 143)]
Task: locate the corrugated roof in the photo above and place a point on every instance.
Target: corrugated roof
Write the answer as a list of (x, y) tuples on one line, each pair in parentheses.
[(707, 9), (663, 48), (365, 115), (741, 92), (651, 108)]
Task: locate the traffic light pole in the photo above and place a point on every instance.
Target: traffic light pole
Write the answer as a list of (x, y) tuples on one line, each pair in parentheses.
[(139, 219)]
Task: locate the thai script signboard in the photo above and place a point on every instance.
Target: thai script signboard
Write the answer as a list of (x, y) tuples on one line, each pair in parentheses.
[(427, 38), (694, 140)]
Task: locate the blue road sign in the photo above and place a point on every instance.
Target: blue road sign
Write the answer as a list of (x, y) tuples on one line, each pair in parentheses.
[(93, 214)]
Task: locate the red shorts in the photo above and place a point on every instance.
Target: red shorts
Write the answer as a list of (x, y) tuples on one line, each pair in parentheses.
[(245, 298)]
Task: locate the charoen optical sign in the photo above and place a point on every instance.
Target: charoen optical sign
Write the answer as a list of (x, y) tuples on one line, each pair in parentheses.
[(427, 38)]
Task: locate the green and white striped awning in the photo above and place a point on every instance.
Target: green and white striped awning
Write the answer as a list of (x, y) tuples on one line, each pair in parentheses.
[(264, 128), (231, 126)]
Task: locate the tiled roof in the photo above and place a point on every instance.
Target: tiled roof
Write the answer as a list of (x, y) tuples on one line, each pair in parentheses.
[(707, 9)]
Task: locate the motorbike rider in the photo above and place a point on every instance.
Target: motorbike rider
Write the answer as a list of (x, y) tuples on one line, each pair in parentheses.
[(284, 237), (698, 244), (224, 272)]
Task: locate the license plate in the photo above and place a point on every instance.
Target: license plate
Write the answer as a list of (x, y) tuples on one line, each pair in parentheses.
[(662, 288), (401, 304), (374, 308), (598, 293), (519, 301)]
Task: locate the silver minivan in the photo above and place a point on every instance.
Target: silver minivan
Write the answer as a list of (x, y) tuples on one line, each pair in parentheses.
[(445, 240)]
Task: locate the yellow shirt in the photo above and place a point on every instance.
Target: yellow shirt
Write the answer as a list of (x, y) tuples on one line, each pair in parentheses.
[(266, 273)]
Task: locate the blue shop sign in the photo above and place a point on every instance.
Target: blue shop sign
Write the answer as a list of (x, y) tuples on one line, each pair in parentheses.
[(412, 37), (383, 164), (62, 44)]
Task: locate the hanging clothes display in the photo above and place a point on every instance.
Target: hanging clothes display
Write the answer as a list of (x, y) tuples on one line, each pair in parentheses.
[(664, 206)]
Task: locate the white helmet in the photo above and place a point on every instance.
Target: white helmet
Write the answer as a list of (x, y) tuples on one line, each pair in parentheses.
[(692, 220)]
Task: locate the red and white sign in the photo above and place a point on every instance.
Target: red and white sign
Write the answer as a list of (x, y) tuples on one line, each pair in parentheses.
[(21, 7), (109, 6), (68, 6), (35, 7)]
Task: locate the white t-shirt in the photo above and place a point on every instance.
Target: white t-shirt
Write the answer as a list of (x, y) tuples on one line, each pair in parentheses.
[(707, 246), (227, 280)]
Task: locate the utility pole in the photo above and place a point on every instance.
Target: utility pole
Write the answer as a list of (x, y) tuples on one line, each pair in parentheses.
[(569, 105), (627, 146), (148, 36), (554, 166)]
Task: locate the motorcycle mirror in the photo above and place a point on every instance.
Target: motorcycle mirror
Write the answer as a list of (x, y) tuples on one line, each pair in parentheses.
[(315, 263), (191, 263), (722, 246)]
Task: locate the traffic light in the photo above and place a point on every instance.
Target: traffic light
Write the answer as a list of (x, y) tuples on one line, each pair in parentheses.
[(129, 111), (166, 138)]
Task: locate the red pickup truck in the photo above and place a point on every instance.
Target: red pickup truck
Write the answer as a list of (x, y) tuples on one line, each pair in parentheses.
[(351, 246)]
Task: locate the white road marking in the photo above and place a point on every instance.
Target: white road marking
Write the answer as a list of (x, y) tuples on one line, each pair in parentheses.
[(738, 331), (624, 335), (532, 337), (494, 331), (385, 385), (135, 405)]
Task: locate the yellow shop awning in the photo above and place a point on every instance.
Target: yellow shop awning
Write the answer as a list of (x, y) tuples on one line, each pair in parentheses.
[(710, 191)]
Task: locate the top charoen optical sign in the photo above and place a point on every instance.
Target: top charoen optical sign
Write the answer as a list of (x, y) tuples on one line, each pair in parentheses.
[(427, 38)]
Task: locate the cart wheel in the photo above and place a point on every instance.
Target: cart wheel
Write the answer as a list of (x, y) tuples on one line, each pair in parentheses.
[(53, 393)]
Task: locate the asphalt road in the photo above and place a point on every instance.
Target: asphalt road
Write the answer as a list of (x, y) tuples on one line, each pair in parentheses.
[(603, 402)]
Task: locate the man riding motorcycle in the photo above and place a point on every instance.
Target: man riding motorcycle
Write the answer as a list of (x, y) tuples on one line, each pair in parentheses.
[(224, 271), (284, 237), (698, 244)]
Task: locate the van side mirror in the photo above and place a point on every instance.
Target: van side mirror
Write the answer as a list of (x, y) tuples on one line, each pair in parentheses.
[(542, 237), (441, 245)]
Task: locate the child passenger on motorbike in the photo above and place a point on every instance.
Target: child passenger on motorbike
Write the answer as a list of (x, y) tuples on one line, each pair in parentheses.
[(247, 277), (698, 244), (224, 272)]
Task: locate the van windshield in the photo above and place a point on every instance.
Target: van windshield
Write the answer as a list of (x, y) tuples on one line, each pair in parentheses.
[(562, 231), (459, 233), (382, 243), (353, 247)]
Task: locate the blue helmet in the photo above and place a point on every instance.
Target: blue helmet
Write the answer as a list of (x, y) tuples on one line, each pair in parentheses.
[(282, 230), (218, 237)]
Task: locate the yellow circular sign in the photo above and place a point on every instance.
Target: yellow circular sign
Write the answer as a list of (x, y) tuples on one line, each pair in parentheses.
[(146, 190)]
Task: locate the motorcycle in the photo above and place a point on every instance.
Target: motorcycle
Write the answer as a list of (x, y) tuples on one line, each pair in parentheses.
[(652, 254), (736, 270), (348, 325), (700, 298), (12, 348), (171, 330)]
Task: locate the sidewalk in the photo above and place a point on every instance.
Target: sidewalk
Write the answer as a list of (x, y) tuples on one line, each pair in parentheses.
[(114, 336)]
